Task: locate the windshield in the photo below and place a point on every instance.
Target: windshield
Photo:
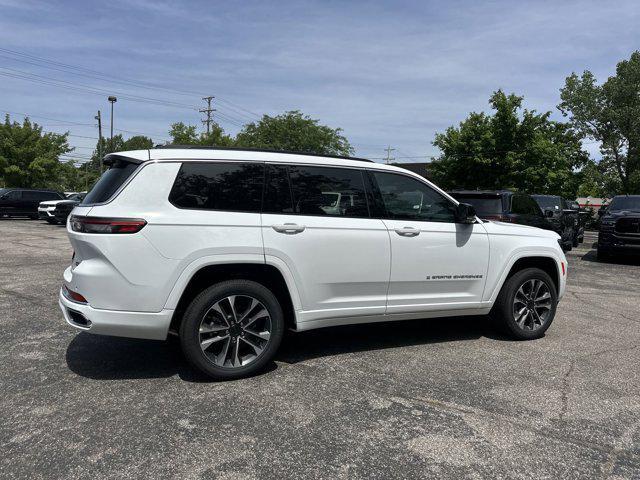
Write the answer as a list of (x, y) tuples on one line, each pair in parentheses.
[(547, 202), (483, 205), (625, 203)]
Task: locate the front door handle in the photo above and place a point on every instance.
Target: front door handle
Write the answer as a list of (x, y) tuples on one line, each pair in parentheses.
[(288, 228), (408, 231)]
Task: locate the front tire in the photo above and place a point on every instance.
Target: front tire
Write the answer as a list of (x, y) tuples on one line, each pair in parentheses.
[(526, 305), (232, 329)]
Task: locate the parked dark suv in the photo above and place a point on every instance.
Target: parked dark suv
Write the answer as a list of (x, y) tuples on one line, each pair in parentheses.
[(565, 220), (504, 206), (63, 208), (23, 202), (620, 226)]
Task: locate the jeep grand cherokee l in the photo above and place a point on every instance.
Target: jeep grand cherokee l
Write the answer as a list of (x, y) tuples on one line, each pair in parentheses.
[(226, 248)]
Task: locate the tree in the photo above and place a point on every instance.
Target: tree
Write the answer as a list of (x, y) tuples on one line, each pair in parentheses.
[(118, 144), (182, 134), (515, 149), (609, 114), (29, 157), (295, 132)]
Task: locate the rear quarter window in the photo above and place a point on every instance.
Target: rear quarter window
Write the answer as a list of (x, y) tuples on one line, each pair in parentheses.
[(110, 182), (224, 186)]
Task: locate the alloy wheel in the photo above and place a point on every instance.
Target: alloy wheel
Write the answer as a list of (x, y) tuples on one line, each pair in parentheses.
[(235, 331), (532, 304)]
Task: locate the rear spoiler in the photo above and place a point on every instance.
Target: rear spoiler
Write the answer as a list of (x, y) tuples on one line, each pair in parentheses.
[(111, 158)]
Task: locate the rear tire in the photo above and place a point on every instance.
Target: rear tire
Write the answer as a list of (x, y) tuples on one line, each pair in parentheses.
[(232, 329), (526, 305)]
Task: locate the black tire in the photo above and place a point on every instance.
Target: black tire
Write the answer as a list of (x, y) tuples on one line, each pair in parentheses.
[(193, 317), (603, 254), (51, 221), (575, 241), (503, 315)]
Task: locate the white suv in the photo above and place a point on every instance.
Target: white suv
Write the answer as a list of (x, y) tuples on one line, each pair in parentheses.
[(227, 248)]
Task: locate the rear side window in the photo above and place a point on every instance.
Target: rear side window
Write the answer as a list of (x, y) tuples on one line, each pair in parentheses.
[(337, 192), (520, 205), (110, 182), (32, 196), (219, 186), (277, 194)]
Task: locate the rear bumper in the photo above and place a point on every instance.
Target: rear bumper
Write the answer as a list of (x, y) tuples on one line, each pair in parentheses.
[(152, 326)]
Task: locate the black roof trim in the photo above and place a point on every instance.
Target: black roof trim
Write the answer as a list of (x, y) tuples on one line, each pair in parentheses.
[(263, 150)]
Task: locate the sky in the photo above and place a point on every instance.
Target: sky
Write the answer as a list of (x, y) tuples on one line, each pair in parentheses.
[(390, 73)]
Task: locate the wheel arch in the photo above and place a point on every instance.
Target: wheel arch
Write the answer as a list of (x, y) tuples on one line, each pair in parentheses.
[(209, 274), (546, 262)]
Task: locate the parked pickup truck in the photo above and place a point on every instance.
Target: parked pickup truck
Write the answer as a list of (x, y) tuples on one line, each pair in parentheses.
[(565, 220)]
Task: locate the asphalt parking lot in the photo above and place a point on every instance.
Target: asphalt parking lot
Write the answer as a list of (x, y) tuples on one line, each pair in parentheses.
[(420, 399)]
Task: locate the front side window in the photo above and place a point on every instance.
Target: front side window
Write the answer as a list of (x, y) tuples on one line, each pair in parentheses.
[(219, 186), (547, 202), (337, 192), (408, 199)]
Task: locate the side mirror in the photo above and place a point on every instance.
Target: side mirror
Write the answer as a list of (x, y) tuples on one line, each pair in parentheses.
[(548, 213), (465, 213)]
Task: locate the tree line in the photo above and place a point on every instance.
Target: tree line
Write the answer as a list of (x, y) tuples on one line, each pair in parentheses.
[(509, 148)]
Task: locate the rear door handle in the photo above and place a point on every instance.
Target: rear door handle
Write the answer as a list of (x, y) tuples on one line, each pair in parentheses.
[(407, 231), (289, 228)]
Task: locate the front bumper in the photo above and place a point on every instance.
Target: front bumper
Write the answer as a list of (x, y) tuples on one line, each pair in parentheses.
[(618, 242), (147, 325), (45, 213)]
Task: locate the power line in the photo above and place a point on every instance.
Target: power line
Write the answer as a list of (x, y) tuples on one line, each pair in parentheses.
[(95, 91), (94, 74)]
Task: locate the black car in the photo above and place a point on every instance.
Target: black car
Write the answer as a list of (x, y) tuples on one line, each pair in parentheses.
[(23, 202), (565, 221), (504, 206), (63, 209), (620, 226)]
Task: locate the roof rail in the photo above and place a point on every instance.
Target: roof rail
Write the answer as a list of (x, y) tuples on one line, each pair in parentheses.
[(264, 150)]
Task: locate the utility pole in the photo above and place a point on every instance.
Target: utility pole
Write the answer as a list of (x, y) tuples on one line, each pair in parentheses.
[(389, 150), (99, 119), (209, 111), (112, 100)]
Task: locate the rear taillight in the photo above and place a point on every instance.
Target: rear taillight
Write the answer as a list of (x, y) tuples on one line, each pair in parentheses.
[(106, 225)]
